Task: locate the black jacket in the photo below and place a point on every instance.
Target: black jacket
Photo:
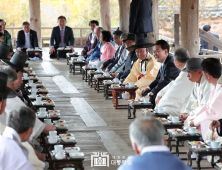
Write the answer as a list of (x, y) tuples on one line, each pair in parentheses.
[(111, 62), (20, 42), (220, 134), (131, 59), (56, 38), (169, 73), (140, 20)]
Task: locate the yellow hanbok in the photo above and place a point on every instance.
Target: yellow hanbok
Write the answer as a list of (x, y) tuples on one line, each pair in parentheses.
[(152, 68)]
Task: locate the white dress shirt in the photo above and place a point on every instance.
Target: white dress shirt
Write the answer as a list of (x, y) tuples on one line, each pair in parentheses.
[(93, 37), (155, 148), (27, 40)]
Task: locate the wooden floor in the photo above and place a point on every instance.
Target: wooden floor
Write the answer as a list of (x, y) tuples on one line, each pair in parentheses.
[(97, 126)]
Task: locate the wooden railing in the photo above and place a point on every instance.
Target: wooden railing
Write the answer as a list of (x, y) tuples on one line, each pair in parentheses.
[(80, 34)]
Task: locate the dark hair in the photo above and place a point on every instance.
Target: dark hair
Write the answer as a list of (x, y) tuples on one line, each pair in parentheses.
[(60, 17), (212, 66), (25, 23), (206, 28), (94, 22), (164, 45), (182, 55), (2, 20), (118, 33), (1, 34), (106, 36), (21, 119)]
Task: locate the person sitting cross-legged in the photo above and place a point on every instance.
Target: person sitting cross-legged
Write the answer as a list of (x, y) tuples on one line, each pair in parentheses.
[(166, 74), (147, 138), (145, 69), (173, 98)]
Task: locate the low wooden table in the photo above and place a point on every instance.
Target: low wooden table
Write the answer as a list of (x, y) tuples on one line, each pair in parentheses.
[(200, 153), (68, 57), (72, 66), (98, 82), (181, 138), (47, 117), (85, 72), (38, 85), (137, 105), (117, 90), (35, 51), (68, 160), (107, 91), (36, 107), (63, 50), (91, 75), (25, 81), (161, 115), (173, 126)]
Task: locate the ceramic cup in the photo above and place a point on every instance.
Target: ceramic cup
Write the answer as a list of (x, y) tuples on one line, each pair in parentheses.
[(146, 100), (76, 53), (42, 109), (116, 80), (48, 121), (106, 74), (58, 147), (99, 70), (131, 84), (33, 94), (68, 169), (67, 46), (30, 82), (25, 75), (93, 66), (36, 48), (38, 100), (52, 140), (160, 110), (214, 144), (175, 118), (192, 129), (52, 133)]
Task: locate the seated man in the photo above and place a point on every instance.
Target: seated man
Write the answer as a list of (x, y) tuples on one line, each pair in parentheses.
[(166, 74), (27, 38), (201, 90), (61, 36), (7, 37), (19, 128), (147, 138), (118, 67), (174, 97), (211, 68), (91, 41), (17, 62), (145, 69), (96, 52), (131, 58), (107, 65)]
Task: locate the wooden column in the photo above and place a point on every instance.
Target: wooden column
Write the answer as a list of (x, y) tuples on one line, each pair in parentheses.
[(105, 14), (190, 26), (35, 18), (152, 37), (124, 9)]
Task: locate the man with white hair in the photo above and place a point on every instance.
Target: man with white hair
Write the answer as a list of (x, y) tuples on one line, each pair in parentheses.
[(147, 137)]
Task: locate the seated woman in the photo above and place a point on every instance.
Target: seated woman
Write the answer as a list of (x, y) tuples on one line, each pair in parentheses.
[(107, 50), (91, 41)]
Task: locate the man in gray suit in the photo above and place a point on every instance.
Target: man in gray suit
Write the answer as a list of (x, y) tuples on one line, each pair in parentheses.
[(61, 36)]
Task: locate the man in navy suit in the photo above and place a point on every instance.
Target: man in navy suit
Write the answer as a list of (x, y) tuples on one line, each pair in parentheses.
[(140, 20), (27, 38), (147, 138), (204, 44), (168, 71), (61, 36)]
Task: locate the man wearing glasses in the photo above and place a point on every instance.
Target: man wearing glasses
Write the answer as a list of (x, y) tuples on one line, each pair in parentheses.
[(168, 71)]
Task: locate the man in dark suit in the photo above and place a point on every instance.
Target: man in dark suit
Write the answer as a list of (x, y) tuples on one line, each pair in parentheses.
[(27, 38), (61, 36), (168, 71), (204, 44), (140, 20)]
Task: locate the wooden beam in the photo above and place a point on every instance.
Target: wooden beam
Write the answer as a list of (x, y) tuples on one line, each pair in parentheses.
[(152, 37), (35, 18), (210, 39), (176, 31), (105, 18), (124, 9), (189, 26)]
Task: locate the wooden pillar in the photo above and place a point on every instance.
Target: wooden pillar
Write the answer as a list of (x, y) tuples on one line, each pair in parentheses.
[(176, 31), (152, 37), (35, 18), (124, 9), (190, 26), (105, 14)]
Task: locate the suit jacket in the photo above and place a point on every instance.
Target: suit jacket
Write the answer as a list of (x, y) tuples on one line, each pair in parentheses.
[(166, 74), (55, 39), (154, 161), (220, 133), (89, 47), (140, 20), (20, 42), (111, 62), (204, 44), (131, 59), (8, 40)]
